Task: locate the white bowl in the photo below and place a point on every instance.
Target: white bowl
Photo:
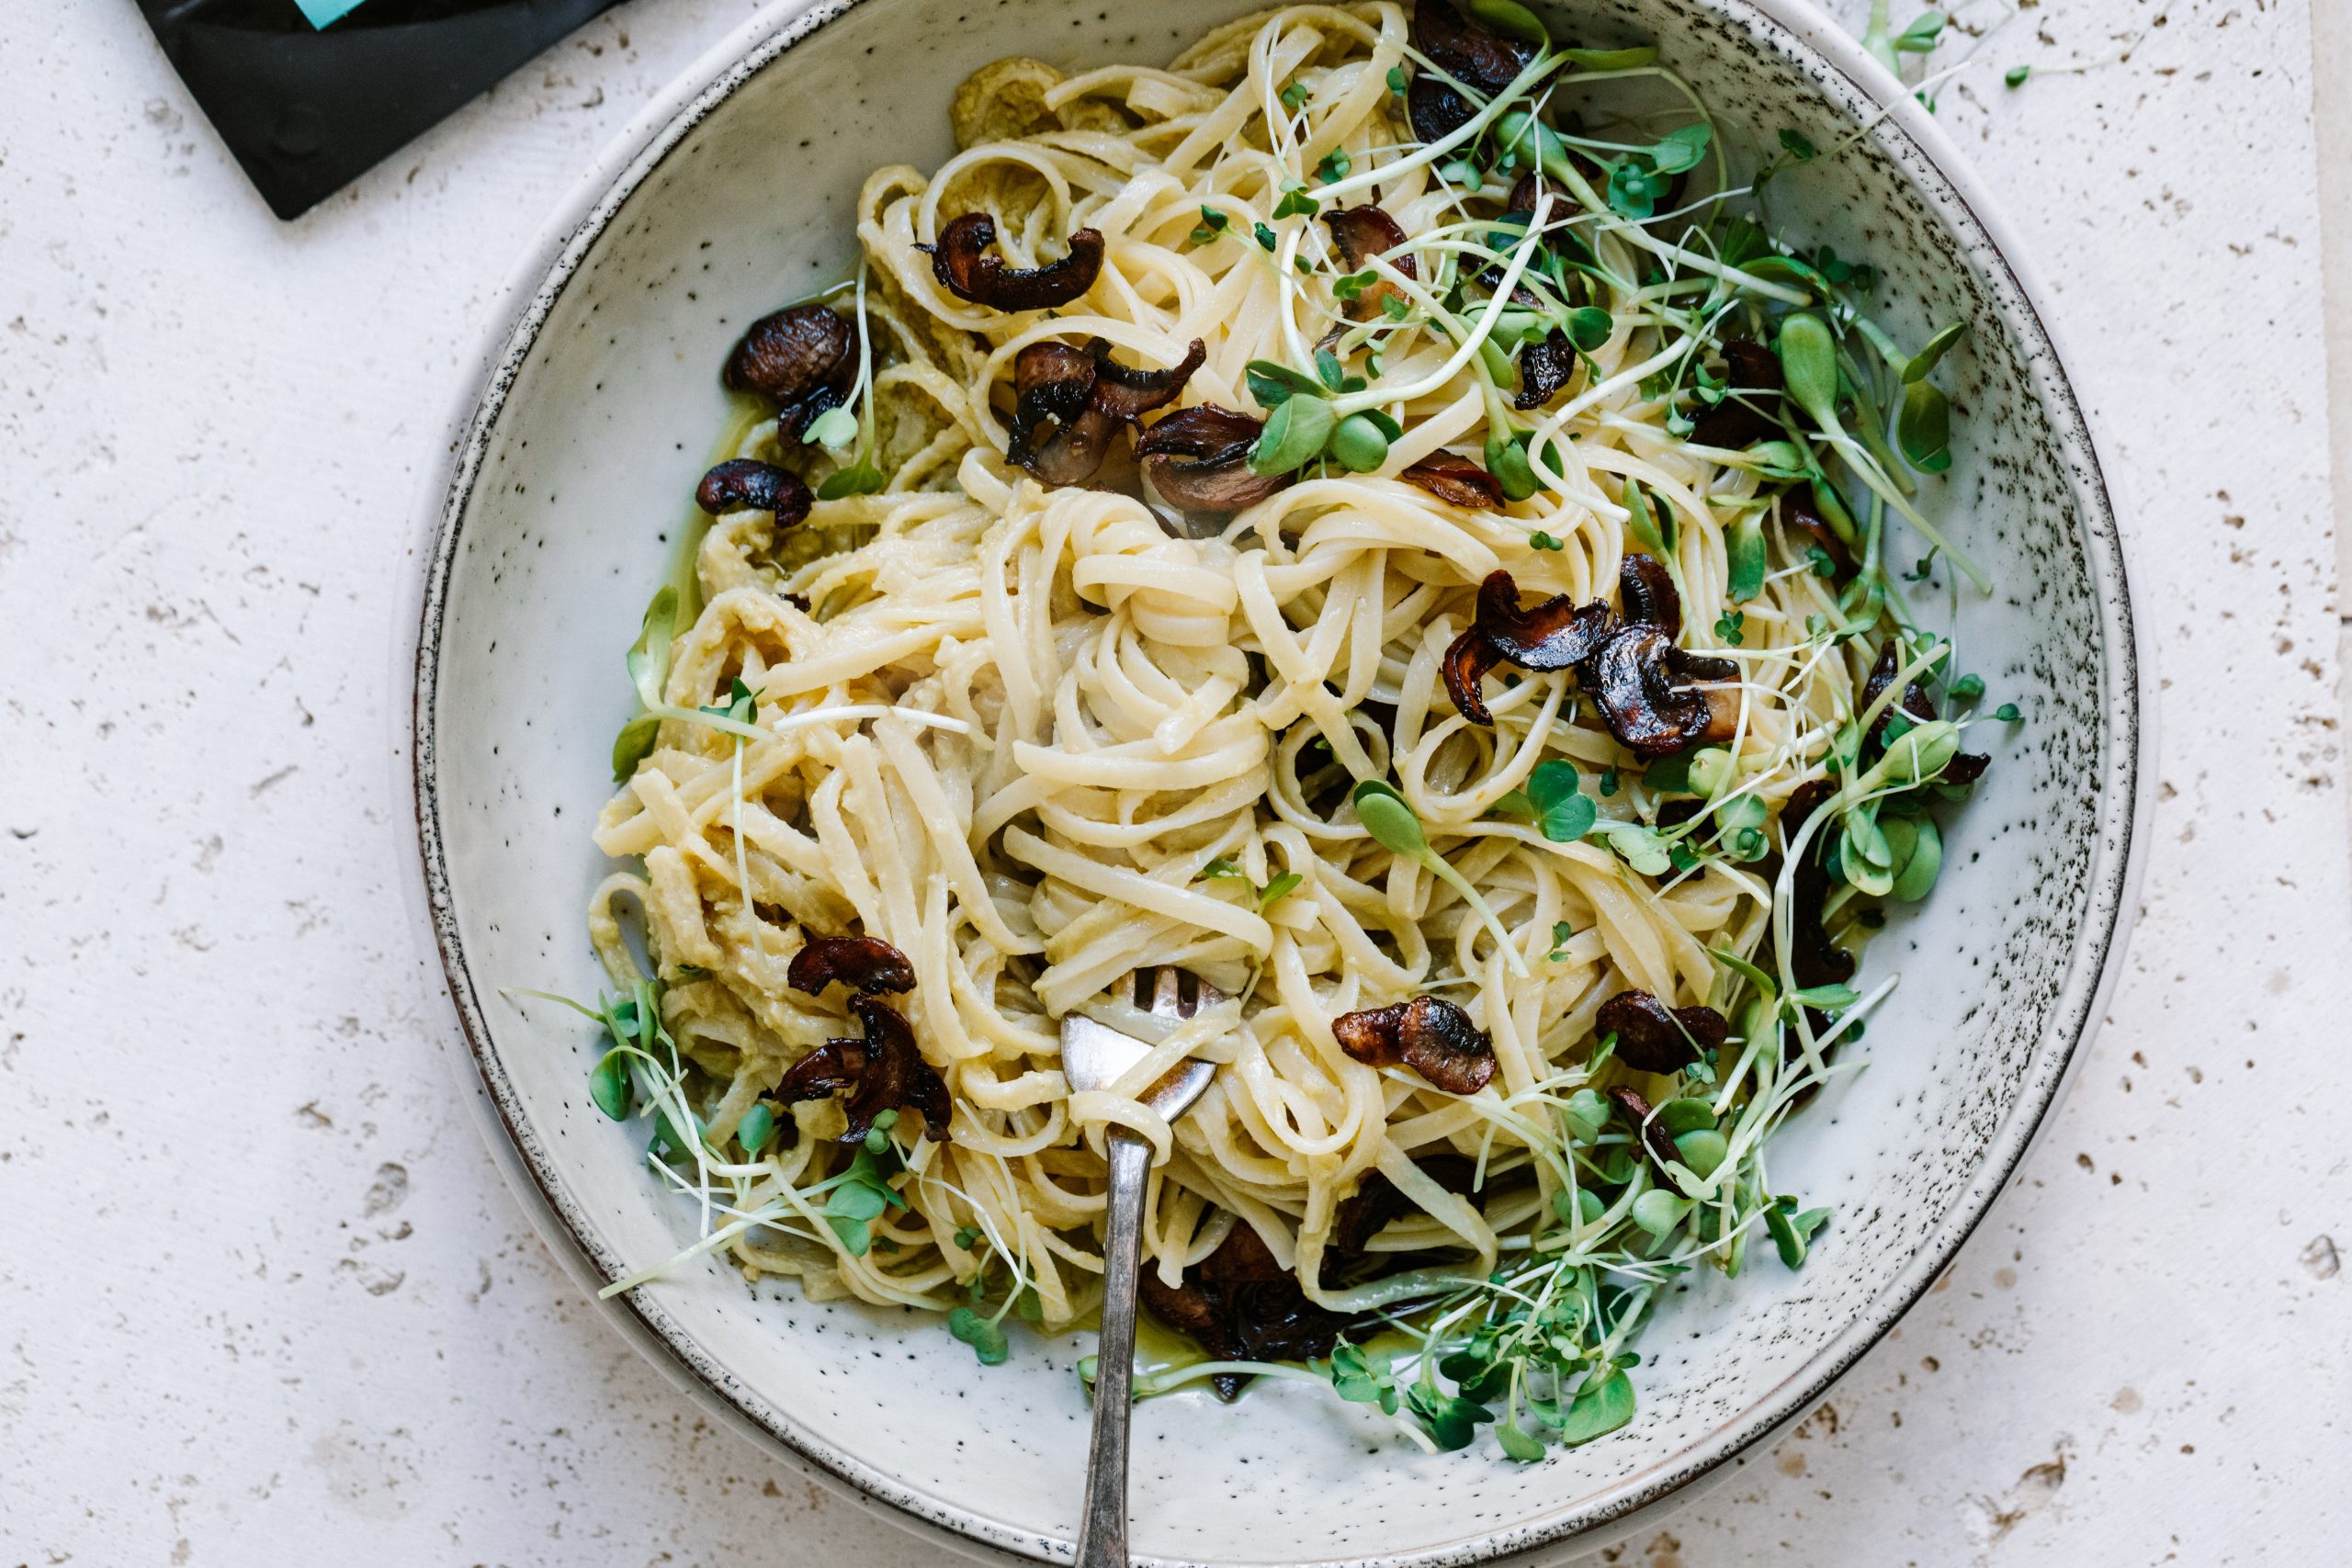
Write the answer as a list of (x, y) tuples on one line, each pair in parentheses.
[(601, 401)]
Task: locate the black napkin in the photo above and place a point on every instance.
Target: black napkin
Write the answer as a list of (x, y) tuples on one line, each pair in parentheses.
[(310, 94)]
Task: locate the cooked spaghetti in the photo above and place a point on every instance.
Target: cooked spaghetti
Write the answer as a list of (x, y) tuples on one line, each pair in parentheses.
[(1502, 616)]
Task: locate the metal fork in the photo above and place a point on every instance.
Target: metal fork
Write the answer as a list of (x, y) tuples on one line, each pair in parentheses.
[(1093, 1057)]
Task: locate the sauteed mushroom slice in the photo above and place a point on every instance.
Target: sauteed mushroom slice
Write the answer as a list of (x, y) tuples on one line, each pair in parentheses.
[(966, 268), (1654, 1137), (885, 1071), (1126, 393), (1465, 51), (1814, 959), (745, 484), (1556, 635), (1654, 1038), (1470, 54), (1966, 767), (1468, 657), (1452, 477), (1631, 680), (1647, 589), (791, 354), (1198, 459), (829, 1069), (1056, 435), (1543, 368), (1242, 1305), (1698, 666), (1914, 700), (793, 419), (1070, 402), (897, 1078), (1741, 422), (1377, 1201), (1434, 110), (1798, 511), (1361, 233), (864, 963), (1433, 1037)]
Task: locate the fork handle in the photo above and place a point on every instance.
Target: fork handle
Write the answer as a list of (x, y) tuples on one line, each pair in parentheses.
[(1103, 1532)]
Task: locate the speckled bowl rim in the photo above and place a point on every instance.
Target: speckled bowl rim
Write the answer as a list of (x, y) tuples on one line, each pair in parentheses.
[(547, 266)]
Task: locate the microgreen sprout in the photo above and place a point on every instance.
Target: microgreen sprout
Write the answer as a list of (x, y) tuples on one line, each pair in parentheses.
[(1393, 824), (1277, 888), (1563, 811), (861, 476)]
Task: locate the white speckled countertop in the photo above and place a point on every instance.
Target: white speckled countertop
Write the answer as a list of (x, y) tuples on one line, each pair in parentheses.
[(263, 1297)]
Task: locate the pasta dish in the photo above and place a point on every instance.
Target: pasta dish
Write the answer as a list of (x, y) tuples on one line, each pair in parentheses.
[(1371, 515)]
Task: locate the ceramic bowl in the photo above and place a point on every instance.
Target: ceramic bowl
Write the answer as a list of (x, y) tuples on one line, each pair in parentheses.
[(599, 403)]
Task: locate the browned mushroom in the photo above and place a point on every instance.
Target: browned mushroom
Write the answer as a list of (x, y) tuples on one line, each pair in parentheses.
[(1377, 1201), (1470, 55), (793, 419), (1434, 1038), (1126, 394), (1361, 233), (1751, 414), (1637, 1112), (1543, 368), (1452, 477), (1070, 402), (1631, 669), (1814, 959), (1966, 767), (966, 268), (1647, 589), (744, 484), (885, 1071), (1633, 681), (1554, 635), (835, 1066), (1798, 511), (864, 963), (1653, 1038), (1054, 436), (1198, 459), (1467, 659), (1242, 1305), (1913, 700), (1434, 110), (791, 354)]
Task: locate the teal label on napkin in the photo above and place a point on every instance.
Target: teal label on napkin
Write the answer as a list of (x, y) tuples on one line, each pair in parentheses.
[(321, 12)]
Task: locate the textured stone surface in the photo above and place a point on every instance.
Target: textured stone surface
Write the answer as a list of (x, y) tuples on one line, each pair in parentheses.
[(263, 1297)]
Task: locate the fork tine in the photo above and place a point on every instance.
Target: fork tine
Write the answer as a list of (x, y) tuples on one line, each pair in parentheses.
[(1167, 995)]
